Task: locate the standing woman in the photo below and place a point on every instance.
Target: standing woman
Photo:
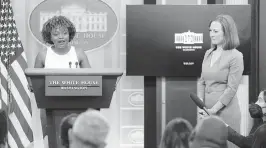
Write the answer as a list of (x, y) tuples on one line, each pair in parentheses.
[(222, 70), (58, 32)]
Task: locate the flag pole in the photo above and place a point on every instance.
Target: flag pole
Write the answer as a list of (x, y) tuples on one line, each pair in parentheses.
[(9, 99)]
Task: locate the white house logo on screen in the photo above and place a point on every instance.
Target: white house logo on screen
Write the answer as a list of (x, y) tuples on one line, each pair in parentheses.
[(188, 38), (95, 21)]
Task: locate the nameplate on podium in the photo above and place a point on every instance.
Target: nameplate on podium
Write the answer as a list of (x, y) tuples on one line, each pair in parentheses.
[(73, 85)]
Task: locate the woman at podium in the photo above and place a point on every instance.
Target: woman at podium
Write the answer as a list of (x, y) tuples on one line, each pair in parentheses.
[(58, 32), (222, 70)]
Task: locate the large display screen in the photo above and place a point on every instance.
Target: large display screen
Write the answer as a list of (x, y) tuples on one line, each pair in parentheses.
[(170, 40)]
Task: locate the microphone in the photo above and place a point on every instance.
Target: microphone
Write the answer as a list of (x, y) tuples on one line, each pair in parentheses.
[(70, 63), (201, 105), (198, 102), (76, 63)]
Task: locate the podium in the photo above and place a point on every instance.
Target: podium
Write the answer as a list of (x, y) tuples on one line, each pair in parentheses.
[(58, 106)]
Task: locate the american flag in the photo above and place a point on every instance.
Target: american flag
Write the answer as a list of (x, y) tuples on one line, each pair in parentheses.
[(15, 96)]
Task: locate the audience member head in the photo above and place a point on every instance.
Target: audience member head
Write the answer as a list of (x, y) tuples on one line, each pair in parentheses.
[(255, 111), (259, 137), (90, 130), (176, 134), (65, 125), (262, 103), (210, 132)]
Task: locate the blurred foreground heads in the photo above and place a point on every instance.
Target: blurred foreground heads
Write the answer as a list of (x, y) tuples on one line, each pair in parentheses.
[(176, 134), (65, 125), (210, 132), (89, 130)]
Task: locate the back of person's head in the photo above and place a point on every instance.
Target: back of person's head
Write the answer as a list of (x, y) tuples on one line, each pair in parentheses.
[(3, 127), (210, 132), (255, 110), (65, 125), (176, 134), (90, 130), (259, 137)]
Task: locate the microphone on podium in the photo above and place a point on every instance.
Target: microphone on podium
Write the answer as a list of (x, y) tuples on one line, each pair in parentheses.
[(76, 63), (198, 102), (69, 63)]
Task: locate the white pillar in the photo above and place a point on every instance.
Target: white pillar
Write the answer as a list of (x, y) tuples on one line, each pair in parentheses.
[(243, 89)]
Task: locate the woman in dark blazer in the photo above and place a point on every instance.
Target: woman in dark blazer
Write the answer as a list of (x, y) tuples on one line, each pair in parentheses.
[(259, 137), (222, 70)]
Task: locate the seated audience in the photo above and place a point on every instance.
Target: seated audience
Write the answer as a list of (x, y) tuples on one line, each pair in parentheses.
[(176, 134), (256, 112), (90, 130), (210, 132)]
